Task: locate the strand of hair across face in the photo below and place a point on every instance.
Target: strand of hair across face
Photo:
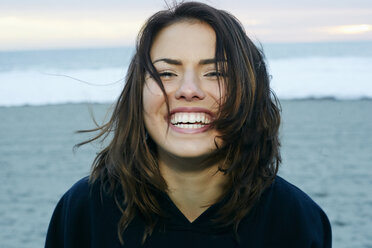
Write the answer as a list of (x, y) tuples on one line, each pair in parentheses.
[(83, 81)]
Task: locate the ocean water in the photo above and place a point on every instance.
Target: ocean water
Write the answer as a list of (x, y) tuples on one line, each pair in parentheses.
[(325, 91), (313, 70)]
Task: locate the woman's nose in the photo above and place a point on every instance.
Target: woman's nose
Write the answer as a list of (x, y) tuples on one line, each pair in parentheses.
[(189, 88)]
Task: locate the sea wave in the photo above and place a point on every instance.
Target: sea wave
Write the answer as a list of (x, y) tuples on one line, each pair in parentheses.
[(319, 77), (292, 78), (31, 87)]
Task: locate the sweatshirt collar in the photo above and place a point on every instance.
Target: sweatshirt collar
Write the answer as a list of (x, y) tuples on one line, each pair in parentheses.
[(204, 223)]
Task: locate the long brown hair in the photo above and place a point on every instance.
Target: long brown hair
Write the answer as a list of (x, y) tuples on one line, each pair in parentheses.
[(248, 123)]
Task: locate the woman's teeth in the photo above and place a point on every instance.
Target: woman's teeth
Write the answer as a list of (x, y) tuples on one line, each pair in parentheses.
[(189, 125), (190, 120)]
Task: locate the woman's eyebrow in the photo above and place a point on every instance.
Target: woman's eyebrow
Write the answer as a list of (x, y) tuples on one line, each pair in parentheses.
[(178, 62), (168, 61), (207, 61)]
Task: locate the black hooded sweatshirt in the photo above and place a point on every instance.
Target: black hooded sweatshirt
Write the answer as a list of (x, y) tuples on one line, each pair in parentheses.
[(284, 217)]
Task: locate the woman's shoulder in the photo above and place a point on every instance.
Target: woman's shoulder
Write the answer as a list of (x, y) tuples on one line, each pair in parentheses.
[(77, 195), (288, 215), (83, 208), (69, 216), (85, 193), (289, 200), (286, 193), (79, 188), (75, 200)]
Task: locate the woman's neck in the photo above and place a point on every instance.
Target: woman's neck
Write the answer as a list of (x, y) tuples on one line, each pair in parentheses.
[(192, 186)]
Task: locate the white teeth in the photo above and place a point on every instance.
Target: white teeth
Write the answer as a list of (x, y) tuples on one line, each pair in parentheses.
[(192, 118), (186, 120), (189, 126), (198, 116)]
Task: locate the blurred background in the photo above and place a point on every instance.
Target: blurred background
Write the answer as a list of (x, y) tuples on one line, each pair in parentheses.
[(59, 60)]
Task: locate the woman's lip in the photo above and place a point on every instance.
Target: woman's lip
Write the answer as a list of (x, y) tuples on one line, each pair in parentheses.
[(191, 110), (189, 130)]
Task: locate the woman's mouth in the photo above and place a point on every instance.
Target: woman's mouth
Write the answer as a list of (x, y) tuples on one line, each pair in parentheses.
[(190, 122)]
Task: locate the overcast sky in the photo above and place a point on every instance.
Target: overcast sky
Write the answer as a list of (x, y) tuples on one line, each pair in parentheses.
[(48, 24)]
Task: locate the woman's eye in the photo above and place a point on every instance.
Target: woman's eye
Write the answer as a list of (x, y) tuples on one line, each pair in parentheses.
[(166, 74), (214, 74)]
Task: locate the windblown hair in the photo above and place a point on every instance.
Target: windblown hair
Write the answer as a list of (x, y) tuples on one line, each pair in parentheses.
[(248, 124)]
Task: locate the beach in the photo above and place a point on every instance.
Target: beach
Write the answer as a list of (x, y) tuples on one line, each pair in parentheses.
[(326, 149)]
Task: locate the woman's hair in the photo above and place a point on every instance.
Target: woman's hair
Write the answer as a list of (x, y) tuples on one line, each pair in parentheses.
[(248, 123)]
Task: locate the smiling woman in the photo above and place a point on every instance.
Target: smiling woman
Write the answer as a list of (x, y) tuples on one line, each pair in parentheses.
[(195, 150), (183, 55)]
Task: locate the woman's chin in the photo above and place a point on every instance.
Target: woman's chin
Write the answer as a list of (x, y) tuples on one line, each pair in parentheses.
[(190, 154)]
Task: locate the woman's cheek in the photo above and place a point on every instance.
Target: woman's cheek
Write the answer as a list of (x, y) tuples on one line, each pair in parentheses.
[(152, 89), (152, 95)]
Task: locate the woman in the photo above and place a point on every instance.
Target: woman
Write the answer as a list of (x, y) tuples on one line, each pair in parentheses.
[(194, 152)]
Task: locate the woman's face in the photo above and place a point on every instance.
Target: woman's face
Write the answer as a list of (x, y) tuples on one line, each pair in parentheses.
[(183, 54)]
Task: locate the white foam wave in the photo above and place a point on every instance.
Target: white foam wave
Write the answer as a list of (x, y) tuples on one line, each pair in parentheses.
[(51, 87), (338, 77)]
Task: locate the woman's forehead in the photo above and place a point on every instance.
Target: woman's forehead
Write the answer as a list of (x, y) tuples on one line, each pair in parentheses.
[(185, 40)]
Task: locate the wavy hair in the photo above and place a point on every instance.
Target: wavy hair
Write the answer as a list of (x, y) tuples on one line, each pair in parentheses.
[(248, 122)]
